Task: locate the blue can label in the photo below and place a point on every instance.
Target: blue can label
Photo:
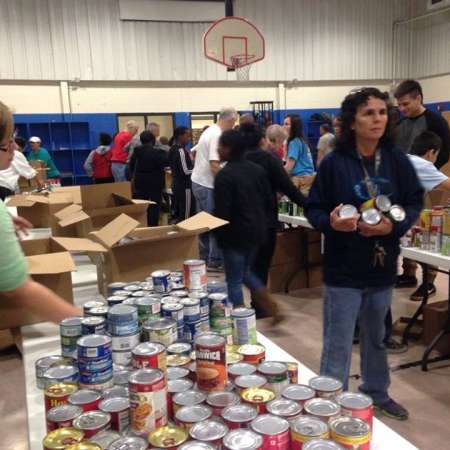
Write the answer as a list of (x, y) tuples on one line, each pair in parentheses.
[(191, 329), (96, 377), (180, 332), (69, 352), (95, 364), (161, 281), (94, 352), (123, 329)]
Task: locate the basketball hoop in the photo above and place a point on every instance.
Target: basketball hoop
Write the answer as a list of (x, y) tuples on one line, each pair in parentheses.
[(241, 64)]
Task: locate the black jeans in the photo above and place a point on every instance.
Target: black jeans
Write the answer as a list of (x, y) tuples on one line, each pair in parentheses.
[(183, 202), (154, 209), (263, 257), (103, 180), (5, 192)]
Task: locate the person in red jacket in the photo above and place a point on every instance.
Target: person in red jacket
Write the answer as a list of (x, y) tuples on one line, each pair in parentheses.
[(98, 163), (119, 155)]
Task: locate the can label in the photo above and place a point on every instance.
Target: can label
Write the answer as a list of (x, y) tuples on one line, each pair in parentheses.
[(192, 313), (211, 367), (365, 414), (148, 406), (94, 352), (297, 439), (191, 329), (93, 329), (122, 343), (94, 364), (161, 282), (51, 425), (350, 442), (157, 361), (55, 400), (96, 377), (120, 420), (195, 277), (244, 330), (123, 329), (279, 441), (165, 336)]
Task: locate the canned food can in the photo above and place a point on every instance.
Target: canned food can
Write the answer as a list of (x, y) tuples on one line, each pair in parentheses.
[(122, 293), (194, 275), (42, 364), (176, 373), (371, 216), (60, 438), (168, 437), (254, 380), (292, 372), (178, 361), (119, 410), (149, 354), (60, 374), (347, 211), (326, 387), (116, 391), (69, 346), (114, 300), (210, 431), (97, 387), (240, 369), (187, 416), (161, 281), (300, 393), (93, 325), (180, 348), (70, 327), (322, 408), (220, 307), (306, 428), (83, 446), (129, 443), (397, 213), (244, 326), (86, 398), (149, 308), (233, 358), (243, 439), (383, 203), (258, 397), (239, 416), (148, 400), (191, 309), (211, 366), (217, 287), (105, 438), (112, 288), (187, 398), (58, 394), (274, 431), (219, 400), (351, 433), (139, 294), (134, 286), (162, 330), (121, 343), (170, 300), (95, 364), (92, 378), (252, 353), (62, 416), (204, 302), (281, 407), (204, 324), (174, 387), (356, 405), (94, 346), (100, 311), (123, 320), (91, 304), (321, 444), (180, 293), (129, 301), (196, 445), (276, 374), (174, 311), (92, 422), (122, 358), (120, 377), (191, 330)]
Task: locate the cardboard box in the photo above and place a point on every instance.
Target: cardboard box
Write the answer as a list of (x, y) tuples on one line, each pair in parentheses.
[(435, 315)]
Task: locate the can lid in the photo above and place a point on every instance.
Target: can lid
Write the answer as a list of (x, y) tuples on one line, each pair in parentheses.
[(59, 389), (57, 438), (251, 349), (241, 368), (325, 384), (194, 413), (105, 438), (175, 306), (321, 444), (354, 400), (175, 373), (92, 320), (144, 376), (248, 381), (189, 301), (161, 273), (268, 424), (298, 392), (177, 360), (309, 426), (60, 372), (116, 391), (92, 420), (218, 296), (179, 347), (147, 301), (349, 427), (94, 340), (221, 399), (71, 322), (189, 398), (397, 213), (209, 339), (371, 216), (198, 294), (242, 312), (196, 445), (93, 304), (99, 310), (122, 310), (272, 368), (114, 404), (121, 377), (64, 412), (243, 440), (284, 408), (208, 430), (239, 413), (258, 395), (84, 396), (129, 443), (322, 407), (383, 203), (160, 324), (53, 360), (348, 211), (148, 349), (165, 301), (168, 436), (179, 385)]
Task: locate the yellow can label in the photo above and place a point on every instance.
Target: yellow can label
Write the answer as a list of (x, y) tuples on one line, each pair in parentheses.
[(351, 440), (297, 437)]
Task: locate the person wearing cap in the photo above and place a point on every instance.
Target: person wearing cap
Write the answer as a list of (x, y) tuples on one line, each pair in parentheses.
[(39, 153)]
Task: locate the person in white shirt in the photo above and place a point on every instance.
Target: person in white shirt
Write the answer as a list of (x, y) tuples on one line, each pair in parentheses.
[(325, 144), (9, 178), (207, 164)]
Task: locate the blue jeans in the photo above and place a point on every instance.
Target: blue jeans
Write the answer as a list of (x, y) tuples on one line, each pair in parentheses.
[(204, 200), (119, 171), (342, 307), (237, 265)]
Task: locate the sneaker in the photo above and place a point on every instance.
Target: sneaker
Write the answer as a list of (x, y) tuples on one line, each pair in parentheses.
[(419, 294), (392, 409), (406, 281), (393, 346)]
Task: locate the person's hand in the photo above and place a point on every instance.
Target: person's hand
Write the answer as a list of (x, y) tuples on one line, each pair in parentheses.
[(382, 229), (21, 225), (347, 224)]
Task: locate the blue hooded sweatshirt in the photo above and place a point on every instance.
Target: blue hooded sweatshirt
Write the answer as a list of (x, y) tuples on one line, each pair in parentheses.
[(349, 257)]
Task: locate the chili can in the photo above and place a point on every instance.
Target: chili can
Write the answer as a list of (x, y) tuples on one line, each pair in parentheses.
[(149, 354), (219, 400), (252, 353), (239, 416), (60, 438), (300, 393), (244, 326), (161, 281), (162, 330), (62, 416), (58, 394), (276, 374), (92, 422), (168, 437), (129, 443), (148, 400), (351, 433), (306, 428), (243, 440), (281, 407), (326, 387), (88, 399), (194, 275), (356, 405), (210, 431), (240, 368), (322, 408), (274, 431), (119, 410), (258, 397), (187, 416)]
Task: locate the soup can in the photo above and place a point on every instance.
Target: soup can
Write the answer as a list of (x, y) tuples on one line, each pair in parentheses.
[(194, 275), (149, 308), (321, 444), (149, 354), (220, 400), (249, 381), (252, 353), (168, 437), (180, 348), (92, 422), (93, 325), (119, 410), (123, 320), (161, 281), (60, 374), (351, 433), (88, 399), (191, 309), (174, 311), (162, 330), (210, 431), (187, 416), (91, 304), (187, 398), (100, 311), (322, 408), (356, 405), (116, 391), (176, 373), (300, 393), (175, 387), (326, 387), (306, 428), (243, 440), (94, 346), (244, 326), (239, 416), (133, 286), (240, 368), (42, 364), (274, 431), (112, 288), (281, 407), (60, 438), (276, 374), (114, 300), (127, 342), (148, 400), (191, 330), (129, 443), (62, 416), (211, 365), (58, 394), (258, 397)]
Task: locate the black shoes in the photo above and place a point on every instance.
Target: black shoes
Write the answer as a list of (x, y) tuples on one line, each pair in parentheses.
[(406, 281), (422, 290)]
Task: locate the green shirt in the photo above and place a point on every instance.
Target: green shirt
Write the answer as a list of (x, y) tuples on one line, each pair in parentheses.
[(44, 155), (13, 265)]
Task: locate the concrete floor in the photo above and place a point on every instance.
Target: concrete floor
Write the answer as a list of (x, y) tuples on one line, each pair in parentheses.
[(425, 394)]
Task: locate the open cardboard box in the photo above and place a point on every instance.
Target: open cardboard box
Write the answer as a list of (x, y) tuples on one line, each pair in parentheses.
[(129, 253)]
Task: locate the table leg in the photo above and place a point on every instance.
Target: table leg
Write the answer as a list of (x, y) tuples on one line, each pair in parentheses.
[(304, 263)]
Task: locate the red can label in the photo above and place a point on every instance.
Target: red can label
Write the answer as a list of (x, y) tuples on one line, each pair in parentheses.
[(211, 367), (157, 361), (92, 432), (120, 420), (51, 425), (51, 402), (365, 414), (255, 359), (236, 425), (276, 442)]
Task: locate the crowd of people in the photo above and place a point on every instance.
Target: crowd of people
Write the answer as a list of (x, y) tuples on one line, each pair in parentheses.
[(238, 171)]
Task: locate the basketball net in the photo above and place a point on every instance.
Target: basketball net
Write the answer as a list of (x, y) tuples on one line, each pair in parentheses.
[(241, 65)]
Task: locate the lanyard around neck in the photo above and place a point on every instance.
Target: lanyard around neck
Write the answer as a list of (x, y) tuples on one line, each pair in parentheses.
[(371, 187)]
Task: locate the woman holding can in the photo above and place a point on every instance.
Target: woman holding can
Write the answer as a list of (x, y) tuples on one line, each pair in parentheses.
[(360, 260)]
